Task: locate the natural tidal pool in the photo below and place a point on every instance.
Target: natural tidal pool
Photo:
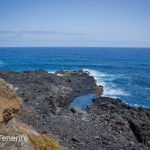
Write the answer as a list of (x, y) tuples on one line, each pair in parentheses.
[(82, 101)]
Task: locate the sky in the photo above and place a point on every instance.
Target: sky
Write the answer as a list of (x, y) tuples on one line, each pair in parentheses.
[(75, 23)]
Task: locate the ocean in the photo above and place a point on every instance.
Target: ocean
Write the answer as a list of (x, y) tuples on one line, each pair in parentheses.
[(124, 72)]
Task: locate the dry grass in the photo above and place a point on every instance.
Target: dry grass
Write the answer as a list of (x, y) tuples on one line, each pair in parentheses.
[(42, 142), (9, 103)]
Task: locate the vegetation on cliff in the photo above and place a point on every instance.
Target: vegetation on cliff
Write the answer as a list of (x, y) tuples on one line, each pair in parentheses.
[(9, 105)]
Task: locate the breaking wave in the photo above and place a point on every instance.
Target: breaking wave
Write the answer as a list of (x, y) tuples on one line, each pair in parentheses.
[(106, 80)]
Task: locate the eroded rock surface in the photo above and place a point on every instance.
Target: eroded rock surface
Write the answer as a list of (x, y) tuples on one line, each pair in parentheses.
[(108, 123), (130, 122), (10, 129), (38, 87), (9, 102)]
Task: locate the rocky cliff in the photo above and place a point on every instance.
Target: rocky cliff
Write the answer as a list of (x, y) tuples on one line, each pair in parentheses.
[(11, 130), (107, 124), (9, 102)]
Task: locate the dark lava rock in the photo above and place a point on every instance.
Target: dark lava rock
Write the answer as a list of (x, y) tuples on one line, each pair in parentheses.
[(40, 88), (108, 124), (131, 122)]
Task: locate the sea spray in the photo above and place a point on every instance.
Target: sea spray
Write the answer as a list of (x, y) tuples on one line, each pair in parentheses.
[(106, 80)]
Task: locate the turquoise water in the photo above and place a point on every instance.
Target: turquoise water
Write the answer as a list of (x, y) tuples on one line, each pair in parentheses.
[(124, 72)]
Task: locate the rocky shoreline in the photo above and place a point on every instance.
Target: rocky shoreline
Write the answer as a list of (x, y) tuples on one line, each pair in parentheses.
[(107, 124)]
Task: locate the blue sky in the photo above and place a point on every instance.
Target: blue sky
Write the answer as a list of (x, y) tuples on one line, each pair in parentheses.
[(96, 23)]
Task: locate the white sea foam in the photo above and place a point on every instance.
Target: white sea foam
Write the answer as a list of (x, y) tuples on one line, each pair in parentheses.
[(53, 72), (106, 80), (136, 105), (59, 74)]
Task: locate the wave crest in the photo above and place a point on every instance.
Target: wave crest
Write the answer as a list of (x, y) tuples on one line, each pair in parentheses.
[(106, 80)]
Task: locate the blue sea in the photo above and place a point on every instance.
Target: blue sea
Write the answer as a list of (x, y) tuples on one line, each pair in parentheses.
[(124, 72)]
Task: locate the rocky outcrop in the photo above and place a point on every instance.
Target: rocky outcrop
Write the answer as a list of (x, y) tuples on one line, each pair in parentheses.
[(133, 123), (40, 88), (107, 124), (15, 135), (71, 72), (9, 102), (45, 95)]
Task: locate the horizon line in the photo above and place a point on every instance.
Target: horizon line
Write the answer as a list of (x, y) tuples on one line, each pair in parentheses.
[(71, 47)]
